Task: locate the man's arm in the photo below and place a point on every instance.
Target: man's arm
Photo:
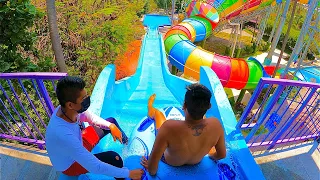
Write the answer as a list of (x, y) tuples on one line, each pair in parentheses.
[(97, 121), (77, 152), (94, 120), (159, 146), (219, 150)]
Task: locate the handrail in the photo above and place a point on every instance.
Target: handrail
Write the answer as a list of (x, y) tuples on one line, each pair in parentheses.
[(33, 75), (26, 106)]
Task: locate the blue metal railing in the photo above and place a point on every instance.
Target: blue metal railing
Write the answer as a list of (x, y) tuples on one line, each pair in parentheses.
[(26, 106), (291, 114)]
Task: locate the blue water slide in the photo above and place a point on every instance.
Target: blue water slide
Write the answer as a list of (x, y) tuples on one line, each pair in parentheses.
[(126, 100), (310, 74)]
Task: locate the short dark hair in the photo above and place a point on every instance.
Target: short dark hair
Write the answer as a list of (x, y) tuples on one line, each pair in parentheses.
[(197, 100), (68, 89)]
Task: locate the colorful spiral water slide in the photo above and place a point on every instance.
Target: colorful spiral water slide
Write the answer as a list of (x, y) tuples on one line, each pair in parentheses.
[(203, 18)]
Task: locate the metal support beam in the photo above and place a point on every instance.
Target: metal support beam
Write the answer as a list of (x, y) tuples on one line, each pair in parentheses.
[(172, 12), (263, 25), (276, 22), (305, 28), (268, 59)]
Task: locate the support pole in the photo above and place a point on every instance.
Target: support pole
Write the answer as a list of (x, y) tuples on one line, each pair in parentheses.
[(275, 22), (297, 48), (234, 36), (268, 59), (311, 38), (262, 26), (238, 49), (174, 70), (203, 43), (235, 40), (172, 12), (241, 95), (284, 43)]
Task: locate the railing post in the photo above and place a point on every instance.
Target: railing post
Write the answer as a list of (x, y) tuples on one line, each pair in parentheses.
[(45, 95), (266, 111), (241, 95), (252, 100), (41, 146), (303, 105)]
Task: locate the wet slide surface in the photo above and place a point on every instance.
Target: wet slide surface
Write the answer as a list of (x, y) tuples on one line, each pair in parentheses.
[(151, 81)]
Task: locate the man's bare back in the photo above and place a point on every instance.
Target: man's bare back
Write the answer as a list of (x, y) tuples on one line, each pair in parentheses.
[(186, 142), (189, 142)]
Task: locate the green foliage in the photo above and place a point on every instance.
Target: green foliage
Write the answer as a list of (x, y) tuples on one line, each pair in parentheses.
[(16, 17), (254, 47), (25, 108), (221, 45), (264, 46), (105, 42), (228, 51), (295, 30), (261, 130), (164, 4), (180, 6), (237, 52), (293, 37), (167, 5), (95, 32), (145, 9), (248, 50)]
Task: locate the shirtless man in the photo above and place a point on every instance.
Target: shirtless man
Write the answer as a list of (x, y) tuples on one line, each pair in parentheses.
[(186, 142)]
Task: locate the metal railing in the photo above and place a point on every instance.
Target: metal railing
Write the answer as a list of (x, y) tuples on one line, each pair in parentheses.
[(26, 106), (289, 116)]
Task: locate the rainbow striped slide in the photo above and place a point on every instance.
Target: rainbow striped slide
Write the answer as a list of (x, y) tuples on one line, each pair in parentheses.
[(233, 72)]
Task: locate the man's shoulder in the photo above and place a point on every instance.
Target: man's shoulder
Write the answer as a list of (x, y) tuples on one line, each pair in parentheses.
[(56, 128), (212, 119), (215, 125), (170, 123), (214, 122)]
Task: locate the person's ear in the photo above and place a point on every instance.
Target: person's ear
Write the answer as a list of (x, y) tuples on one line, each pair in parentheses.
[(184, 106), (68, 105)]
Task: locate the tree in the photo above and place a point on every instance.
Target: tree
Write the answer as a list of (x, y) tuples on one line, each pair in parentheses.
[(16, 41), (164, 4), (180, 6), (54, 35)]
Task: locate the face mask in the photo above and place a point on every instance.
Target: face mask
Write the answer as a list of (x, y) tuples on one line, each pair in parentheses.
[(84, 105)]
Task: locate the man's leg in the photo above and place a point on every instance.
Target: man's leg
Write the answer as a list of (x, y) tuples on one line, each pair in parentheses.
[(112, 158), (154, 113), (109, 157), (90, 137)]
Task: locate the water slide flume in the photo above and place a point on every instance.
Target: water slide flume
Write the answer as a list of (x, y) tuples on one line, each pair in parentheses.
[(233, 72), (126, 100)]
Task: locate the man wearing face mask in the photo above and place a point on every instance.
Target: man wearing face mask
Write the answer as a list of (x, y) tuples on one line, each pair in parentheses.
[(69, 144)]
